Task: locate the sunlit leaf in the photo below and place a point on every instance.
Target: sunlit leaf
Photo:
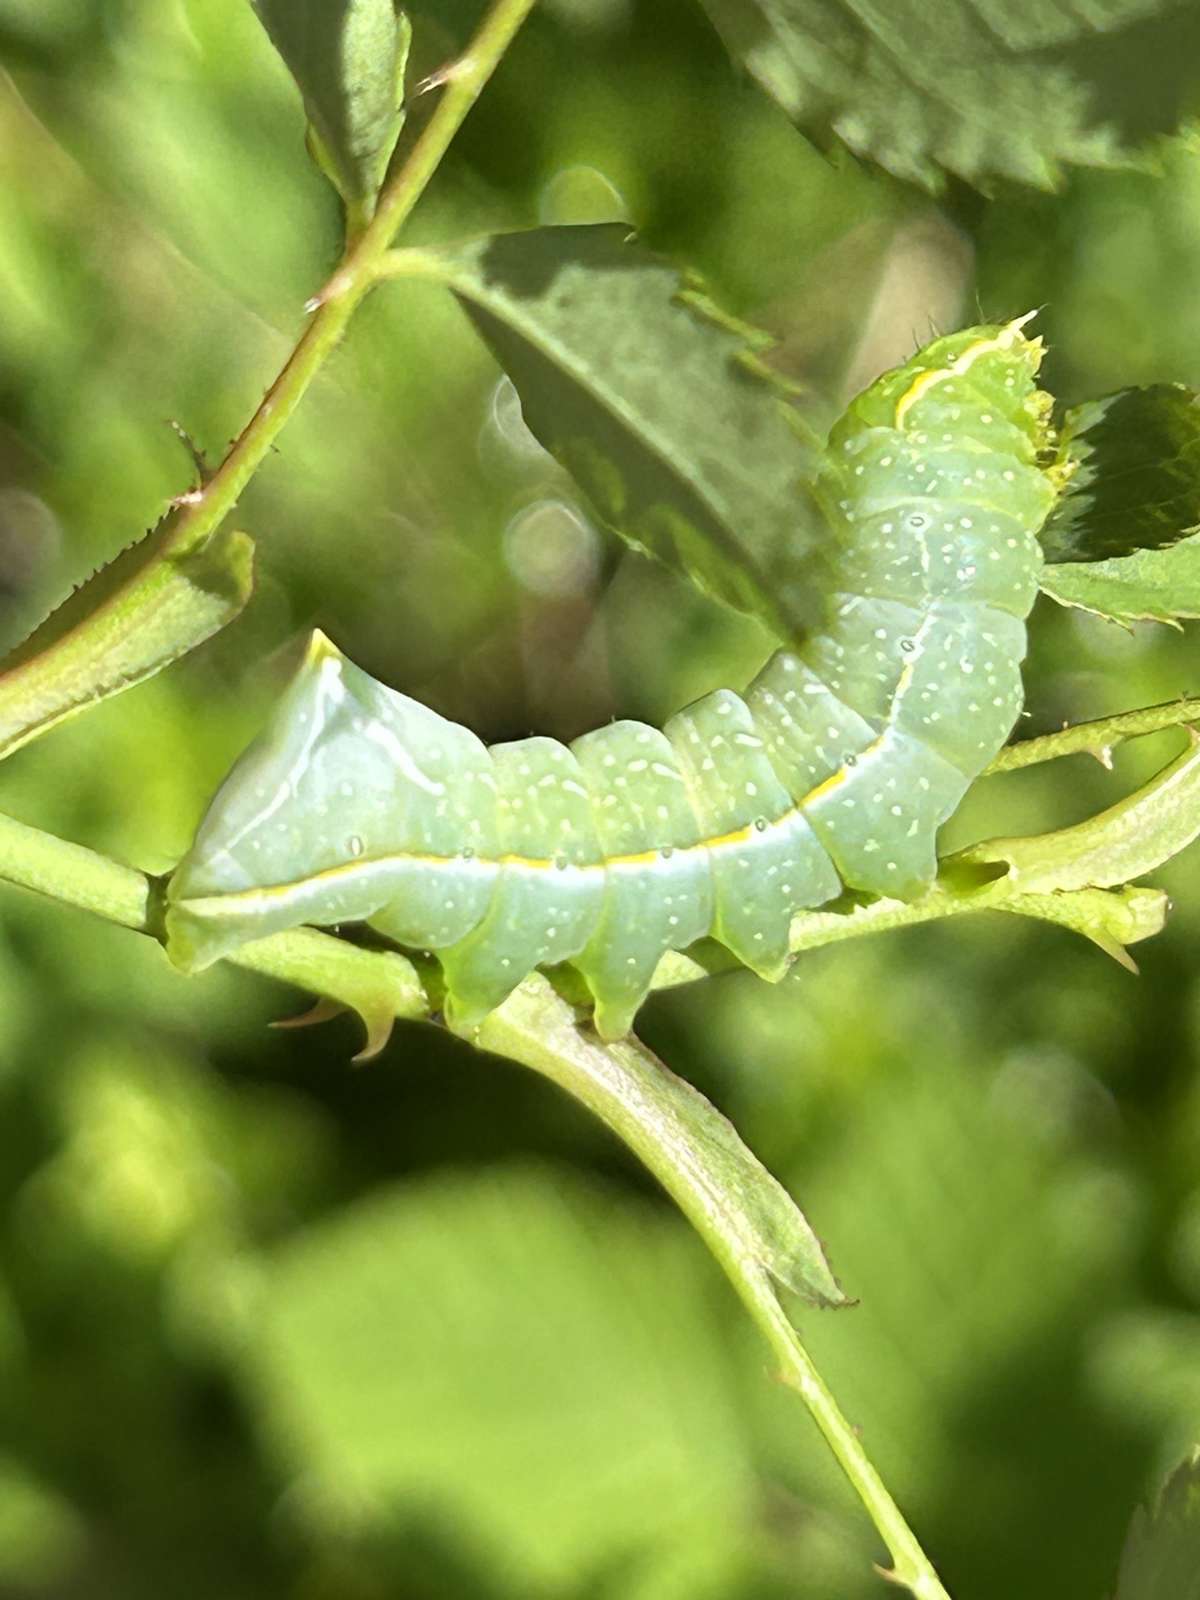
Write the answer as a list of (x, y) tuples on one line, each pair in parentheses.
[(1153, 585), (979, 88), (134, 617), (1161, 1560), (348, 59), (658, 406), (1136, 478)]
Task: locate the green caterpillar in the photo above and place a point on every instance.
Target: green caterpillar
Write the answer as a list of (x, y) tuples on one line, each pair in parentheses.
[(836, 766)]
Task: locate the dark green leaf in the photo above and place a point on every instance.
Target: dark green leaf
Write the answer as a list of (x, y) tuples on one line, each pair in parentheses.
[(657, 405), (1161, 1560), (348, 59), (979, 88), (1136, 479)]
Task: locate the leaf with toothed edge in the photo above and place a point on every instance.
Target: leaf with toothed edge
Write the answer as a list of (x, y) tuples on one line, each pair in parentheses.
[(1133, 460), (143, 611), (659, 406), (1122, 541), (975, 88)]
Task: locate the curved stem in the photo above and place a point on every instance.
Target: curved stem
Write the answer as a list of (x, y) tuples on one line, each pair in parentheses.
[(721, 1188), (745, 1219)]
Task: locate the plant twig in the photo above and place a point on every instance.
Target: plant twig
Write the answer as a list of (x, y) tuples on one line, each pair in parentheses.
[(377, 984), (911, 1567), (80, 877), (354, 277), (1096, 738), (683, 1143), (189, 577)]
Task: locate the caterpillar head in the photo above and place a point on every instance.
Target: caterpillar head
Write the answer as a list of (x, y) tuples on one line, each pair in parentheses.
[(979, 383)]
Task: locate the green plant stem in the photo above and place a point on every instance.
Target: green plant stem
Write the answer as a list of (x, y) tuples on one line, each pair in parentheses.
[(367, 980), (80, 877), (353, 278), (538, 1029), (1096, 738), (638, 1098), (910, 1565), (75, 875)]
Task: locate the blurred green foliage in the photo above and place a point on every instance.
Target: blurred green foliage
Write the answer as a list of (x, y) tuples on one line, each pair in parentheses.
[(270, 1326)]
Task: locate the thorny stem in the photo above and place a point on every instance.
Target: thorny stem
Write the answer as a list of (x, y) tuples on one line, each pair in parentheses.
[(1096, 738), (353, 278), (81, 877), (911, 1567)]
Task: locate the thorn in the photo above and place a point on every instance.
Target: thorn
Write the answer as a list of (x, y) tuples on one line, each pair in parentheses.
[(199, 461), (204, 472), (444, 75), (1104, 755), (379, 1031), (1117, 951), (333, 290), (323, 1011)]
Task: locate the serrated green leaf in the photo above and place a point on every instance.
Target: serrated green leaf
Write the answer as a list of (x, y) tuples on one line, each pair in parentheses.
[(1153, 585), (1161, 1559), (1135, 479), (348, 59), (656, 404), (534, 1359), (127, 622), (983, 89)]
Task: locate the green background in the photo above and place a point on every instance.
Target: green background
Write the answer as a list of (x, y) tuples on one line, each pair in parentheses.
[(275, 1326)]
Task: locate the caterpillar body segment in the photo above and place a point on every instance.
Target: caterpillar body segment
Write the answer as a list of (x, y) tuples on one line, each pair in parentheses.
[(836, 766)]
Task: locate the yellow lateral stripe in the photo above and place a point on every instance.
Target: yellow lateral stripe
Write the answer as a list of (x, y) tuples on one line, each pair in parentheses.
[(823, 788), (962, 364), (533, 863)]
